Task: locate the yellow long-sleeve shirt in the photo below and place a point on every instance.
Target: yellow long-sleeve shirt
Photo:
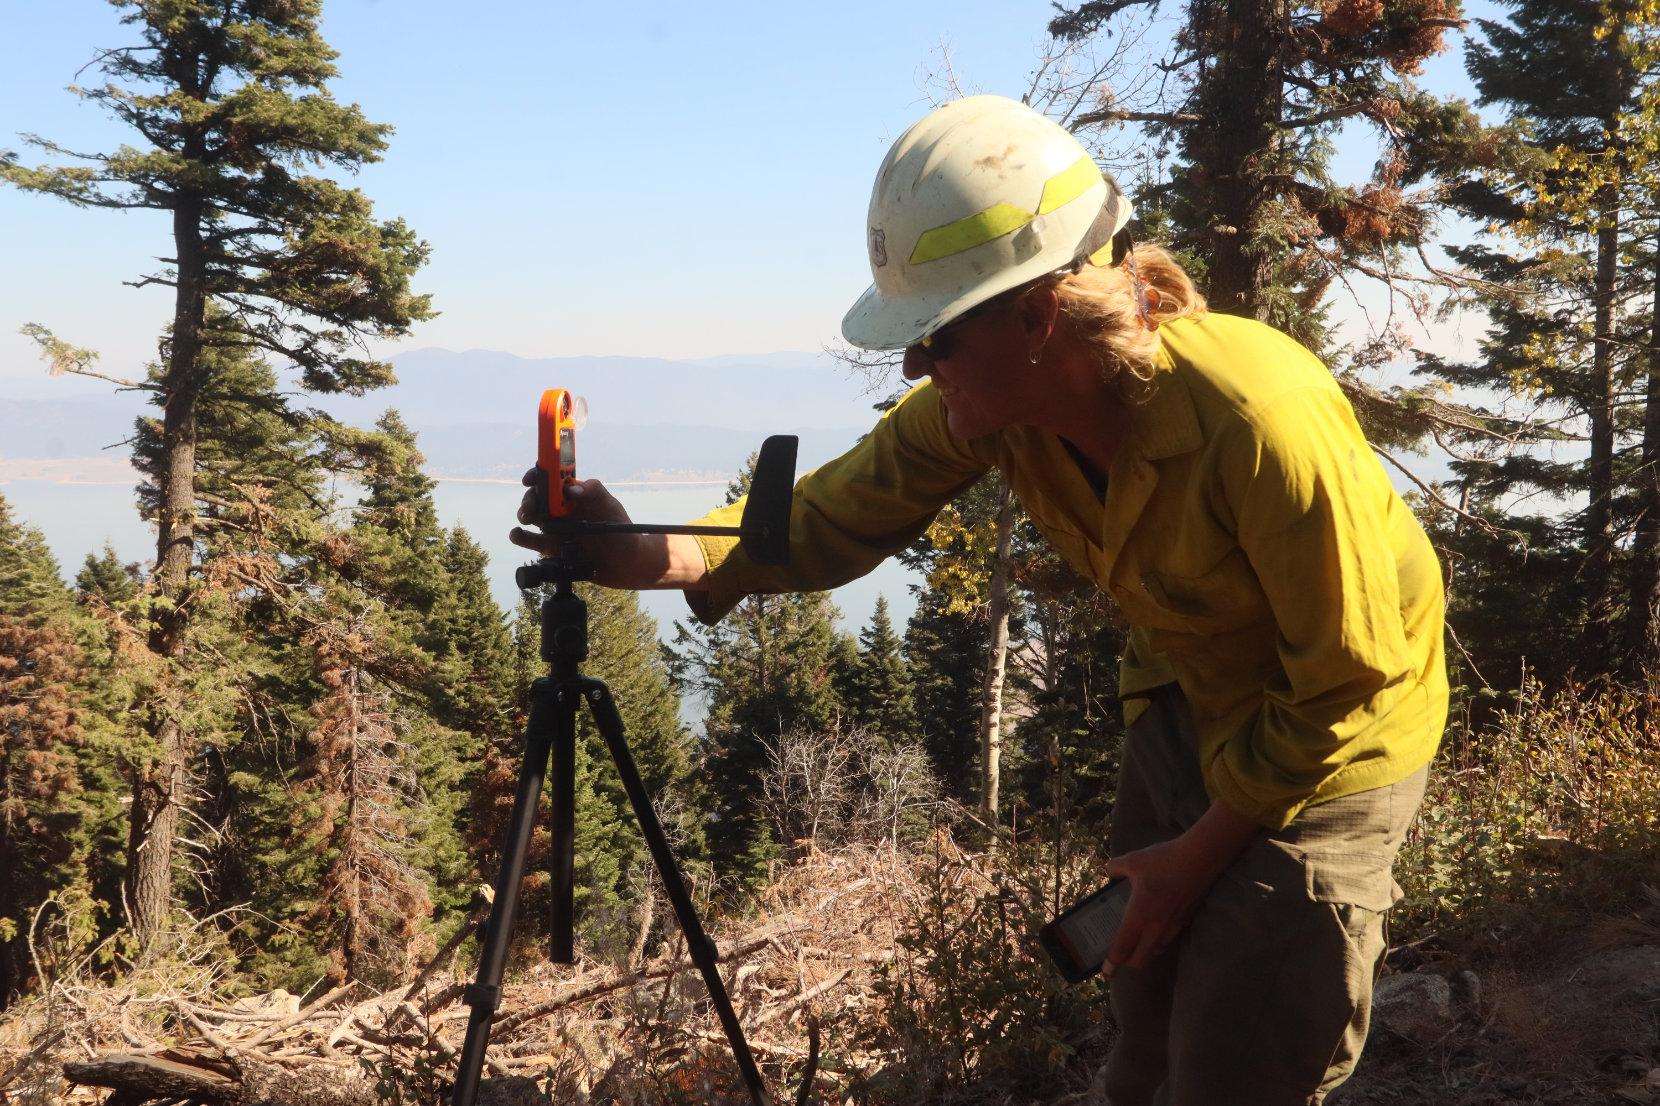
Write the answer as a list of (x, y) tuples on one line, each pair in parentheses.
[(1251, 536)]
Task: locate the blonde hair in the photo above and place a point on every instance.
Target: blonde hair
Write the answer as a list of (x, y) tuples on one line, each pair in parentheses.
[(1099, 302)]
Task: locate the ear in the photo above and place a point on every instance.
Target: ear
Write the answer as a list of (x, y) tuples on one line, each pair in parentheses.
[(1039, 310)]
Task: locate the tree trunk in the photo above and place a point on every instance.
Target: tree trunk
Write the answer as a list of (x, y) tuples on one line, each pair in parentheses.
[(991, 691), (1238, 147), (1643, 606), (1599, 532), (351, 939), (158, 787)]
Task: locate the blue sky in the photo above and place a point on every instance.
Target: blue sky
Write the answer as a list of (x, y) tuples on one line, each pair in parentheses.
[(675, 180)]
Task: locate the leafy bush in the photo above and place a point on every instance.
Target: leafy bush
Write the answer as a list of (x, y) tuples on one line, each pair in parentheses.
[(1551, 809), (970, 1008)]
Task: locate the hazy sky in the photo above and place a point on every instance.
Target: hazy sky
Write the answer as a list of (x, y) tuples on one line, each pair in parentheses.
[(662, 179)]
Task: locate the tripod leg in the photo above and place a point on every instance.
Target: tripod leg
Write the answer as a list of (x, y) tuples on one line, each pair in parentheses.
[(702, 949), (485, 993), (562, 793)]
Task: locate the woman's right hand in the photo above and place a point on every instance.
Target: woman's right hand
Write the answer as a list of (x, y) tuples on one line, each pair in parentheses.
[(631, 561)]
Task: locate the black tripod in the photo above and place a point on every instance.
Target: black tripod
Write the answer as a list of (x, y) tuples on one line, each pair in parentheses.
[(551, 732)]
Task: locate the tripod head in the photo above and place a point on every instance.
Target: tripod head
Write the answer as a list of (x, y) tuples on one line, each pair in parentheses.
[(763, 532)]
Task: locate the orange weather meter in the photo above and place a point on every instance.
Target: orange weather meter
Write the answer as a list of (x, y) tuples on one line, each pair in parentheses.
[(560, 417)]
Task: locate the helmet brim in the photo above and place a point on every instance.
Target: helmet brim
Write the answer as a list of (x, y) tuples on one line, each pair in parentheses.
[(876, 323)]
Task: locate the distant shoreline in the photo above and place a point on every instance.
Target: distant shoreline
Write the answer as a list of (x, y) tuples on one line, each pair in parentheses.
[(108, 472), (608, 483)]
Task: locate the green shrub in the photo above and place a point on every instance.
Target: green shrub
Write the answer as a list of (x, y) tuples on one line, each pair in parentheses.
[(970, 1008), (1550, 810)]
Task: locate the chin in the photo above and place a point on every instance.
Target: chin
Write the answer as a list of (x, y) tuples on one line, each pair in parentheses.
[(967, 426)]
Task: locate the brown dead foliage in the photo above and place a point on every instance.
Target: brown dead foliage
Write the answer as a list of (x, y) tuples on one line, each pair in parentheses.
[(641, 1032)]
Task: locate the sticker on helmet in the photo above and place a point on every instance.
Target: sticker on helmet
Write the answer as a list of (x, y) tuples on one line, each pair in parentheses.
[(878, 247)]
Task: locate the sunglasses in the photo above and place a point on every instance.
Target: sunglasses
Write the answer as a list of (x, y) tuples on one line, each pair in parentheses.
[(943, 344)]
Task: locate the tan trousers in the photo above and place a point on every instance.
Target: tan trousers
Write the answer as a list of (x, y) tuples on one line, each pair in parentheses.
[(1266, 997)]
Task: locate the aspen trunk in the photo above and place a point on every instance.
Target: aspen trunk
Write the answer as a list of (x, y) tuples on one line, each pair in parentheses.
[(1599, 532), (991, 692), (1643, 607)]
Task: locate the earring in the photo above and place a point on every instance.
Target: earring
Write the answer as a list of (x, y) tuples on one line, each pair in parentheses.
[(1036, 357)]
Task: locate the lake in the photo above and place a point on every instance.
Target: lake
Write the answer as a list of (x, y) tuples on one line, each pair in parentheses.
[(78, 518)]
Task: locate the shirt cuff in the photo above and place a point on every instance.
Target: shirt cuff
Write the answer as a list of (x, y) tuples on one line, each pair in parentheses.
[(722, 594), (1226, 788)]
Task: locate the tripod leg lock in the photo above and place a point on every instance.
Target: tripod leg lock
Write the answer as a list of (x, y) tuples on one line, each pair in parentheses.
[(482, 996)]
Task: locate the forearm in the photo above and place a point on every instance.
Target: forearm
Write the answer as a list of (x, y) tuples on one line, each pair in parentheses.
[(1217, 839), (657, 562), (683, 564)]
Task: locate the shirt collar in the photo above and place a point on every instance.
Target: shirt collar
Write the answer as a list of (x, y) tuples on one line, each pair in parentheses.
[(1166, 424)]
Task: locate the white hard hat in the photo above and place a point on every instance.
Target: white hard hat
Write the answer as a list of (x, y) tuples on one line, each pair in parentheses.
[(977, 197)]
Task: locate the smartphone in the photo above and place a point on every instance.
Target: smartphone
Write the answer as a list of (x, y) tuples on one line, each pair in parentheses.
[(1078, 940)]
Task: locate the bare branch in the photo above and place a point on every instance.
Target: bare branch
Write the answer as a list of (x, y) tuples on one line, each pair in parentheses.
[(1171, 118), (1441, 500)]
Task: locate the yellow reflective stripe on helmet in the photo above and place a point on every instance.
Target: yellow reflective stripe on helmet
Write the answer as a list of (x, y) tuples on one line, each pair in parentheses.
[(1067, 185), (968, 232), (1004, 218)]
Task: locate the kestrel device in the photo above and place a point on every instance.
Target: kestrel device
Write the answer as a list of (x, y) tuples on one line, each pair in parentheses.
[(550, 735), (1077, 941), (560, 417)]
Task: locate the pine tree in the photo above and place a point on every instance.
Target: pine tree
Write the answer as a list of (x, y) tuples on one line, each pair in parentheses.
[(471, 645), (1259, 88), (768, 667), (107, 579), (771, 665), (43, 820), (1069, 742), (1564, 337), (30, 587), (230, 101), (373, 899), (945, 647), (879, 696)]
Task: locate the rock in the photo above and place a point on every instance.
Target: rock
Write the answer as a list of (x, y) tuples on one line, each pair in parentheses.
[(1466, 989), (1414, 1005), (1625, 975)]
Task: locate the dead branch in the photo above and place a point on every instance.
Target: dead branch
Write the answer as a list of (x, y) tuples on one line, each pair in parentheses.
[(153, 1041)]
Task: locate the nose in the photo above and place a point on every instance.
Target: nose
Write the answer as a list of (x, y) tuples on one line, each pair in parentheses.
[(917, 363)]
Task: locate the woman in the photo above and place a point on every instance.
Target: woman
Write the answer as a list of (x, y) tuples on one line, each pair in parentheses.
[(1284, 680)]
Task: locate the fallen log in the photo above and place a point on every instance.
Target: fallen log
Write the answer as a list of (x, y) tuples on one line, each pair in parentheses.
[(218, 1083), (153, 1076)]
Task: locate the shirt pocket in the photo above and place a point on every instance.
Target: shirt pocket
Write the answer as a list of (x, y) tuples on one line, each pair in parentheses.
[(1225, 597)]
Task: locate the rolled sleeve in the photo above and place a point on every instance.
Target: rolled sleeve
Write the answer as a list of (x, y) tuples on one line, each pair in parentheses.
[(1312, 509), (849, 515)]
